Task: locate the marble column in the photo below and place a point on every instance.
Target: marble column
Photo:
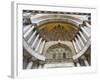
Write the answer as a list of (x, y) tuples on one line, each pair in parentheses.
[(78, 44), (80, 39), (35, 40), (28, 32), (30, 39), (88, 29), (42, 46), (25, 28), (29, 66), (83, 37), (37, 46), (85, 61), (78, 64), (75, 46), (87, 24), (85, 31)]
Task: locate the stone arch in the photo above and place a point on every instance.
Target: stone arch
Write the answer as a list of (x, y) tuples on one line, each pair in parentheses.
[(58, 53)]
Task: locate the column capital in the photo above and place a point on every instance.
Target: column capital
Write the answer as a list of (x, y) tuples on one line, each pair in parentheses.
[(37, 36)]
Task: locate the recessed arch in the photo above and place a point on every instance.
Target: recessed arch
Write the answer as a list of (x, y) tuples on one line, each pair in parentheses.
[(58, 53)]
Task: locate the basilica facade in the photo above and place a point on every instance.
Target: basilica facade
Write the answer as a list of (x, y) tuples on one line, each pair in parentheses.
[(54, 39)]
